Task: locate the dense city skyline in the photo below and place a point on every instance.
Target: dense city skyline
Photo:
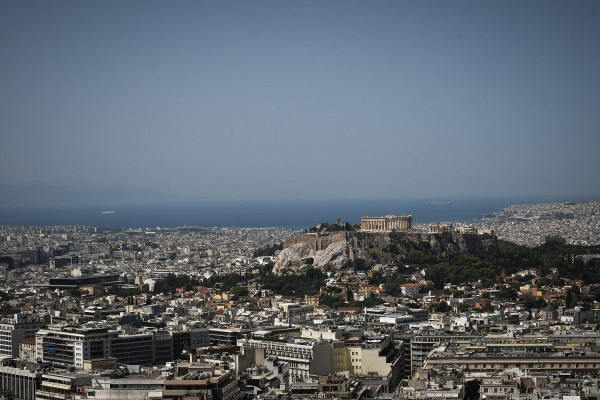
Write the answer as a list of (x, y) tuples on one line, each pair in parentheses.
[(271, 100)]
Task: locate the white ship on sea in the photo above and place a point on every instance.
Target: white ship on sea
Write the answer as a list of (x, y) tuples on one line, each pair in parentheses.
[(108, 212)]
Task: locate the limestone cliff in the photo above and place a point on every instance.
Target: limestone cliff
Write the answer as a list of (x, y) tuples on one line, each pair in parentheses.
[(335, 256), (342, 249), (293, 257)]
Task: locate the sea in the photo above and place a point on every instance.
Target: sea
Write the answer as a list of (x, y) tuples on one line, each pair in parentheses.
[(297, 214)]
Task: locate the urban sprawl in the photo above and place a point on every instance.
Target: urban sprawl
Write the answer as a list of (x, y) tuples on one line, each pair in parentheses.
[(503, 309)]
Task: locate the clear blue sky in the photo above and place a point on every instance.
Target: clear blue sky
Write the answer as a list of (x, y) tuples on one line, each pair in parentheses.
[(303, 99)]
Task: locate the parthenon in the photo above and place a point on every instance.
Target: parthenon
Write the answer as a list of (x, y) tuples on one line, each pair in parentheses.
[(387, 223)]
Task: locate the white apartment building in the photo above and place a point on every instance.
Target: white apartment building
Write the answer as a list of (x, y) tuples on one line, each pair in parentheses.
[(310, 358), (14, 330), (67, 346)]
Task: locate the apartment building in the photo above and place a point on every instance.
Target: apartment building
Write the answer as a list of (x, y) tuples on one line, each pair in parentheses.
[(421, 346), (132, 348), (580, 362), (15, 329), (305, 358), (380, 355), (63, 386), (67, 346), (201, 381)]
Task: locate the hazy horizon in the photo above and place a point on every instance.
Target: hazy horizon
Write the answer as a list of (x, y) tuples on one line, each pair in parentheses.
[(297, 214), (47, 195), (272, 100)]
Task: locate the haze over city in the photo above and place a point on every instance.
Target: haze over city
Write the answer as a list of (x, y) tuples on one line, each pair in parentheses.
[(282, 100)]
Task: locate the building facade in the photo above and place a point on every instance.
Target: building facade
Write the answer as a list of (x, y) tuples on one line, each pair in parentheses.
[(534, 363), (314, 358), (22, 384), (68, 346), (62, 386), (133, 348), (16, 329), (421, 346)]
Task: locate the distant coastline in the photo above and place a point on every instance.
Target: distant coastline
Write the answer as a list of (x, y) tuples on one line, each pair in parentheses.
[(254, 214)]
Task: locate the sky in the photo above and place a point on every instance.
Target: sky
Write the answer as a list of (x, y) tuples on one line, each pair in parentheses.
[(302, 99)]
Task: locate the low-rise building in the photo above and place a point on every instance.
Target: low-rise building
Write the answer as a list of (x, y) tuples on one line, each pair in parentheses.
[(19, 382)]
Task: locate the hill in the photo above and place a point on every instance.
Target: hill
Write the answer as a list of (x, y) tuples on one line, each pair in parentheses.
[(333, 251)]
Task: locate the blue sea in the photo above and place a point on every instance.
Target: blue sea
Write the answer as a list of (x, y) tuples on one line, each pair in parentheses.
[(285, 214)]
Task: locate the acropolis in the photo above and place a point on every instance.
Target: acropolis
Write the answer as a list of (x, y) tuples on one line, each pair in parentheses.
[(387, 223)]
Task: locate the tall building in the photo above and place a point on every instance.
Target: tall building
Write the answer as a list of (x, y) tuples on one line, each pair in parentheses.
[(224, 336), (132, 348), (163, 346), (16, 329), (187, 340), (67, 346)]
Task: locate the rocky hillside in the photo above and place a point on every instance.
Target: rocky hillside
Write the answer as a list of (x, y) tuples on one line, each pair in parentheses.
[(376, 247)]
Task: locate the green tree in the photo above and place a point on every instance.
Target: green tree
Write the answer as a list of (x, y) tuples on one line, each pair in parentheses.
[(472, 389), (393, 286), (508, 294), (332, 301), (267, 250), (371, 302), (443, 307), (359, 264), (543, 281), (555, 239), (377, 278), (463, 307), (534, 302), (239, 291)]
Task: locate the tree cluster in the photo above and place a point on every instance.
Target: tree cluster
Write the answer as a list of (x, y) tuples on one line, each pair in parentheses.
[(456, 268), (327, 227), (307, 282), (171, 282), (267, 250)]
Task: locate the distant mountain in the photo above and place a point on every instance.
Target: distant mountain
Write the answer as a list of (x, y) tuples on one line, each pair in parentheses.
[(51, 195)]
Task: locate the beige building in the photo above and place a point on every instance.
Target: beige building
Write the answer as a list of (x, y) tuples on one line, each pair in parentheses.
[(387, 223), (293, 310), (364, 358), (27, 349), (323, 357), (312, 300), (533, 353), (304, 360), (579, 365)]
